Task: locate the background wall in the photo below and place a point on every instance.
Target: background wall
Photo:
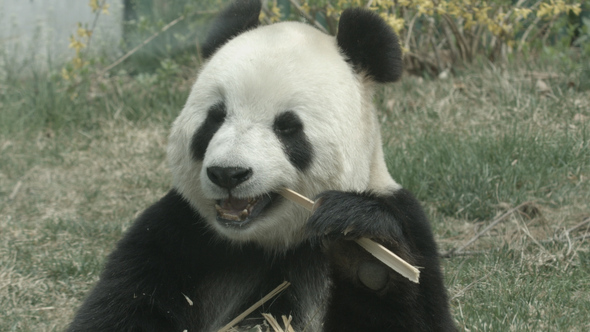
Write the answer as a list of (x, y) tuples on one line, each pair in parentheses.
[(40, 29)]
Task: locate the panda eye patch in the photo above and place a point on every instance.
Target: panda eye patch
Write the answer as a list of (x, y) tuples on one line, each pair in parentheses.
[(287, 123), (289, 129), (203, 135)]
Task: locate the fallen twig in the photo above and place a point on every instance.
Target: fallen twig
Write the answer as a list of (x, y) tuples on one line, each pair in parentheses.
[(468, 253), (380, 252), (485, 230), (273, 322), (462, 292), (287, 323), (15, 190), (145, 42), (276, 326), (580, 225), (152, 37)]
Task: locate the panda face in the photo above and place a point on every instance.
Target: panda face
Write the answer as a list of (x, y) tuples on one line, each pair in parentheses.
[(275, 107)]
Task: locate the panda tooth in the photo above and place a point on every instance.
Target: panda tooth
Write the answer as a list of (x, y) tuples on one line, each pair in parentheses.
[(243, 214), (230, 217)]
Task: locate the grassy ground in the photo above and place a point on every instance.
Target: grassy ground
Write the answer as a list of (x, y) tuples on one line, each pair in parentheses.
[(75, 169), (476, 146)]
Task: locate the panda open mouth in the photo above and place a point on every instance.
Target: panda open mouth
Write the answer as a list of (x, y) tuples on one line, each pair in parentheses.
[(237, 212)]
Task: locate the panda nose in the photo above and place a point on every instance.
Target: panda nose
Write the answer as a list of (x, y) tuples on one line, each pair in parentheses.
[(228, 177)]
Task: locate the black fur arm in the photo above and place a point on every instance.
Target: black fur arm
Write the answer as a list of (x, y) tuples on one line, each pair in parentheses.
[(367, 292), (143, 281), (171, 273), (398, 217)]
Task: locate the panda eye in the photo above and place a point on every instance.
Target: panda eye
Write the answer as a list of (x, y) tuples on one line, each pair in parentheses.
[(216, 113), (287, 124)]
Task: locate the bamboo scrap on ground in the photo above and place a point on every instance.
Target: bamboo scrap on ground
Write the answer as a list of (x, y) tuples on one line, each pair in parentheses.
[(380, 252), (275, 324), (255, 306), (287, 323)]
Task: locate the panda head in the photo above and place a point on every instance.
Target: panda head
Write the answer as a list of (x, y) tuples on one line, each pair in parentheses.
[(277, 106)]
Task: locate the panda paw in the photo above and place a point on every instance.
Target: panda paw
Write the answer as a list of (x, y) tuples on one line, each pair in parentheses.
[(350, 216)]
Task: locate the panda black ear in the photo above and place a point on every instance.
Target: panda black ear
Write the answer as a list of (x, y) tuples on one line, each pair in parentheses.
[(239, 16), (370, 44)]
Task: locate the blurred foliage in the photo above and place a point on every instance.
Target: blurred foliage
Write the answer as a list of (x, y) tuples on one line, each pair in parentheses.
[(153, 31), (436, 35), (439, 34), (145, 18)]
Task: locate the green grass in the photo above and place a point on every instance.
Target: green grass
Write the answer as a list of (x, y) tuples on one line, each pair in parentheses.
[(65, 200), (510, 290), (78, 163), (468, 176), (37, 101), (478, 144)]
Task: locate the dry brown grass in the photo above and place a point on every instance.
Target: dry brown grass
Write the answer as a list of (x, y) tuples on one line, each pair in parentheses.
[(74, 196), (65, 199)]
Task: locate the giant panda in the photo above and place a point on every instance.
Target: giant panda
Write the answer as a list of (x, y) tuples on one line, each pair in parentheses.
[(277, 106)]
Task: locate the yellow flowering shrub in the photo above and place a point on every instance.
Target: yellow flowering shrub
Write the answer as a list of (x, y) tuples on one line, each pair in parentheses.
[(272, 12), (81, 40), (435, 34)]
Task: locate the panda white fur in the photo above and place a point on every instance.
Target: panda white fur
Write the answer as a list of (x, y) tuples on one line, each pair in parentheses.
[(277, 106)]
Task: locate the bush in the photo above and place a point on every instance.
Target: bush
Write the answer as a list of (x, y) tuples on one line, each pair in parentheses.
[(438, 34)]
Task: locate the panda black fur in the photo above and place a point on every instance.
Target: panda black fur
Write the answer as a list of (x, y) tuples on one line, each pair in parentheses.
[(277, 106)]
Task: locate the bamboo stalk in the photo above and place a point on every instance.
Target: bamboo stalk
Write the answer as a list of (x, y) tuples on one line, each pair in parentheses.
[(273, 322), (380, 252), (287, 323), (255, 306)]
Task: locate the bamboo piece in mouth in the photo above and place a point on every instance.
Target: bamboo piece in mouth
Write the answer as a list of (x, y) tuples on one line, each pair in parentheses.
[(380, 252)]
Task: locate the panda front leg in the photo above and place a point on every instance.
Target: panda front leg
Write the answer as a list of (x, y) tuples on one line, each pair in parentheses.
[(367, 295)]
